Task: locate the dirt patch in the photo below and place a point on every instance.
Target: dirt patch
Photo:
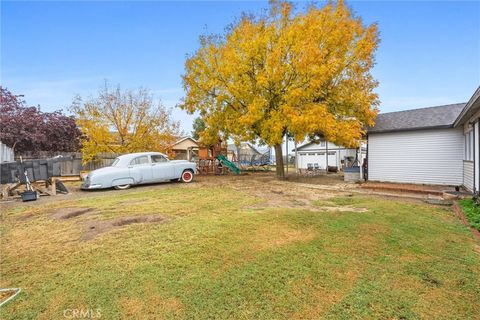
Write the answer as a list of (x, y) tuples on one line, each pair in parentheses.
[(94, 228), (289, 193), (476, 248), (26, 216), (69, 213), (459, 212), (342, 209), (130, 220), (131, 202), (152, 307), (277, 235)]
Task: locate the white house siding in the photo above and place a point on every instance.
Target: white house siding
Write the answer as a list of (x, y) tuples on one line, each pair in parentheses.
[(477, 154), (316, 154), (421, 156), (468, 175), (6, 153), (318, 157), (475, 169)]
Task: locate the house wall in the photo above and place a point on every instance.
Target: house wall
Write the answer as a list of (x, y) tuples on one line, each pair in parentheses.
[(316, 153), (421, 156), (6, 153), (468, 175), (471, 174), (185, 145), (477, 155), (317, 146)]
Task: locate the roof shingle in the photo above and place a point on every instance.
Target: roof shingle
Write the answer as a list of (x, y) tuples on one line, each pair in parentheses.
[(416, 119)]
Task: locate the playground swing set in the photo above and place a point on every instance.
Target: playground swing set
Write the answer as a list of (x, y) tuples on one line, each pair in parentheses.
[(213, 160)]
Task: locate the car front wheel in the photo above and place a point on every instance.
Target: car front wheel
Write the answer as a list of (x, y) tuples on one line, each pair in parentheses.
[(122, 187), (187, 176)]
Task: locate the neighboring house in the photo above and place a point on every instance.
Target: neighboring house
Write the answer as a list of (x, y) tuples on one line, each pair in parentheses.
[(314, 155), (436, 145), (185, 149), (6, 153)]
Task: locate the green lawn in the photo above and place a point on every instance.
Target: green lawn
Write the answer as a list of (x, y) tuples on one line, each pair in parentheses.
[(218, 253)]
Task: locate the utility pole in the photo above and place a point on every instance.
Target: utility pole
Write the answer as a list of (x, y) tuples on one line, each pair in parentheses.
[(326, 149), (286, 147), (296, 157)]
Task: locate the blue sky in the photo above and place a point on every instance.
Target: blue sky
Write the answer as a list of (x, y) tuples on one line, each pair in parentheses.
[(50, 51)]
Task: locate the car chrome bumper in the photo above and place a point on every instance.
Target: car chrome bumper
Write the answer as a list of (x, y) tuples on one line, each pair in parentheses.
[(90, 187)]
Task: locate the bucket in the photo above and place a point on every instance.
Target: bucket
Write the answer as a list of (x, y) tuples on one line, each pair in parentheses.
[(29, 196)]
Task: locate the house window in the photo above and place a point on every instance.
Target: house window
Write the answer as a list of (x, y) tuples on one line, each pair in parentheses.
[(469, 146)]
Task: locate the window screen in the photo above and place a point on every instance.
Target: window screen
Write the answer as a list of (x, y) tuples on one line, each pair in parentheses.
[(469, 146)]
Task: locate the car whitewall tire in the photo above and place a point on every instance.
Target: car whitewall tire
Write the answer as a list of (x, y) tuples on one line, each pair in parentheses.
[(187, 176), (122, 187)]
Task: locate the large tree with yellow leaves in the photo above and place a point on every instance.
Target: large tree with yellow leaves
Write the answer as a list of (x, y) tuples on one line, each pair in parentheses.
[(305, 74), (122, 122)]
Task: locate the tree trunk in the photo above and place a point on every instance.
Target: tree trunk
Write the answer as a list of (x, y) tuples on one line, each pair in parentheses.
[(279, 160)]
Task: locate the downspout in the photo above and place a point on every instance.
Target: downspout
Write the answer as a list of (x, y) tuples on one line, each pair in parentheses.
[(366, 159), (296, 157), (476, 160), (286, 150), (474, 157)]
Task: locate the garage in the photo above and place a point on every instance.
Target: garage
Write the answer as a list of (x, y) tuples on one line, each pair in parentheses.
[(317, 160), (417, 146), (313, 156)]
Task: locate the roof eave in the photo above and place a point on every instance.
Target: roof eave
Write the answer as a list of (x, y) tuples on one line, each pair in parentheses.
[(469, 108), (411, 129)]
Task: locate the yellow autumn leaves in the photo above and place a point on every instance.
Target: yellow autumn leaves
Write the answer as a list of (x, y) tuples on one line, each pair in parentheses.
[(122, 122), (301, 74)]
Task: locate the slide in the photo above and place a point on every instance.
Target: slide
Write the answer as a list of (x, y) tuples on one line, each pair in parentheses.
[(227, 163)]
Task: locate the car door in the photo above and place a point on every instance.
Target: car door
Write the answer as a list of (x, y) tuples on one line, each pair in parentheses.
[(141, 169), (162, 168)]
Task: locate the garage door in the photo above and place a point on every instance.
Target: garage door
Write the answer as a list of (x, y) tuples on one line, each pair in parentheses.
[(317, 158), (422, 156)]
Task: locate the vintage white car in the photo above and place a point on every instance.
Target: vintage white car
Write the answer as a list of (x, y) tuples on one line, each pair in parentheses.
[(139, 168)]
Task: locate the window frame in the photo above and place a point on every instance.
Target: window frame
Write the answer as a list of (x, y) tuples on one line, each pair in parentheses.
[(469, 146), (140, 164), (158, 155)]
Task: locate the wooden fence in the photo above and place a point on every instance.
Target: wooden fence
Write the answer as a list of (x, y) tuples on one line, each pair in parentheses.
[(71, 164)]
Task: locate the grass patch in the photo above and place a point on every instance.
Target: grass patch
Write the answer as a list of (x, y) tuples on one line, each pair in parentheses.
[(472, 212), (214, 257)]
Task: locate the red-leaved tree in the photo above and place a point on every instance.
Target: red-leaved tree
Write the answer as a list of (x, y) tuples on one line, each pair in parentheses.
[(25, 128)]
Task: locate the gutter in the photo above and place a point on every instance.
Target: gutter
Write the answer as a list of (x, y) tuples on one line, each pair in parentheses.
[(468, 106), (410, 129)]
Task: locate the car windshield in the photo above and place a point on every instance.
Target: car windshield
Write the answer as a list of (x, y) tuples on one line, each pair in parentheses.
[(115, 162)]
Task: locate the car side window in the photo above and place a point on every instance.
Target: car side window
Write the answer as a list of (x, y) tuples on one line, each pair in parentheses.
[(139, 161), (158, 158)]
